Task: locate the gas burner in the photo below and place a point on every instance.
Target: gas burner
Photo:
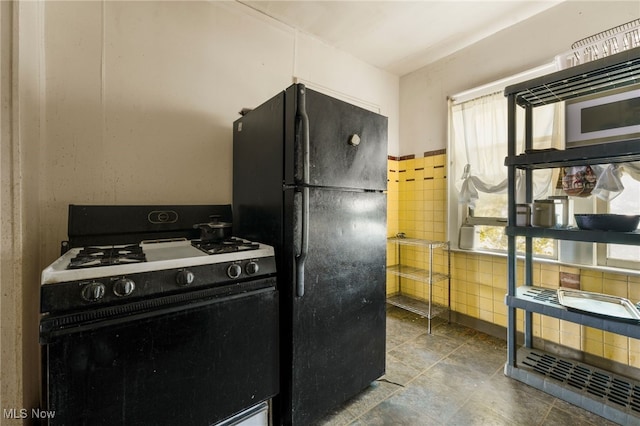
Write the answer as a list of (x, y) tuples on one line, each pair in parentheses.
[(90, 257), (226, 246)]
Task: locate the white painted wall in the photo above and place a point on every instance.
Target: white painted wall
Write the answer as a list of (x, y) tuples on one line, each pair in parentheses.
[(423, 93), (133, 103), (140, 98)]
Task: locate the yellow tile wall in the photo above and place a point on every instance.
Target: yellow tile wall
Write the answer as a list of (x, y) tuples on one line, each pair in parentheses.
[(417, 206)]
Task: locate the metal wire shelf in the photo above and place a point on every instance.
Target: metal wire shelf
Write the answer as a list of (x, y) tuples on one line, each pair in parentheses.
[(605, 43)]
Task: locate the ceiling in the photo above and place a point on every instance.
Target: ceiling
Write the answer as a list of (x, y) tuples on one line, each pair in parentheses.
[(400, 36)]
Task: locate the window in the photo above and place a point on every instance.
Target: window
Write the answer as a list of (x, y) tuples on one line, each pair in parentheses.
[(627, 202), (477, 180), (478, 177)]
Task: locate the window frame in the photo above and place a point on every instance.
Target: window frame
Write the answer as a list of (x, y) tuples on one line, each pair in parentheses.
[(602, 249), (462, 214)]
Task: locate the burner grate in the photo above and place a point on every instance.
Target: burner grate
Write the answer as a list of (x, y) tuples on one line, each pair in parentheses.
[(227, 246), (89, 257)]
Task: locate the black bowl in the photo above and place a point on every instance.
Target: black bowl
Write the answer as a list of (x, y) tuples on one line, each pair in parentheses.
[(607, 222)]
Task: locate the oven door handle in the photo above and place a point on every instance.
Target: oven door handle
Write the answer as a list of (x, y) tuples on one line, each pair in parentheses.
[(301, 114)]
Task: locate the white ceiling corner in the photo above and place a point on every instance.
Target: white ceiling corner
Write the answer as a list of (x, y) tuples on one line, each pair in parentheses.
[(400, 36)]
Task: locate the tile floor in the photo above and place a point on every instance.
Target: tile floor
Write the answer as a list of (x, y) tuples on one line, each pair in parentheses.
[(452, 377)]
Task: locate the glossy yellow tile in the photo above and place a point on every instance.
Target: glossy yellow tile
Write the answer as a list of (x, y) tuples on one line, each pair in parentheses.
[(417, 205)]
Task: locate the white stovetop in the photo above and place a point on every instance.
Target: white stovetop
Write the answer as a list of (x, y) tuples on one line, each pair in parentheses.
[(160, 256)]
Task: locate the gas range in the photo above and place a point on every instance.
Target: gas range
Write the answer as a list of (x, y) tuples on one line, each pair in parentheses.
[(97, 275), (143, 298)]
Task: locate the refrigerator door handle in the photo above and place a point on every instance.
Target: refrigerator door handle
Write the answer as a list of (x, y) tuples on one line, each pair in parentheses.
[(301, 114), (304, 244)]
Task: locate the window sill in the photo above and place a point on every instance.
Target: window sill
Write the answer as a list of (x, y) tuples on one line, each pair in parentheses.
[(600, 268)]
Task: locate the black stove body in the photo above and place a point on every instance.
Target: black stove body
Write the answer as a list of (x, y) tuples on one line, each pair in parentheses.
[(144, 323)]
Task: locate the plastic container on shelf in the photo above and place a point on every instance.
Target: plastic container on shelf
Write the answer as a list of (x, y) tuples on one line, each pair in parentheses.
[(543, 214), (563, 209), (523, 214)]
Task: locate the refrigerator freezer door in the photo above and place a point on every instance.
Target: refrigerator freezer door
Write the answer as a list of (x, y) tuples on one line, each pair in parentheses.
[(338, 326), (347, 144)]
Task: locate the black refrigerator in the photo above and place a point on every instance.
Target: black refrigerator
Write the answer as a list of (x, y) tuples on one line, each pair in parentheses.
[(309, 175)]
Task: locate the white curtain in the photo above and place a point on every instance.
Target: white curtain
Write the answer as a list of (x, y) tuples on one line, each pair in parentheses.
[(609, 184), (479, 131)]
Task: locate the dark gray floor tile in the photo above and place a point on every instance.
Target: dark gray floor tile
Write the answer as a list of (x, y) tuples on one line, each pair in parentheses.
[(453, 330), (425, 350), (437, 402), (377, 392), (340, 417), (514, 391), (562, 418), (462, 377), (388, 413), (399, 372), (454, 377), (562, 410), (400, 331), (486, 360), (488, 342), (474, 413), (519, 407)]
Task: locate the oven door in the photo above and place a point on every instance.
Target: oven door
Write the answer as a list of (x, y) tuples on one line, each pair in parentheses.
[(191, 363)]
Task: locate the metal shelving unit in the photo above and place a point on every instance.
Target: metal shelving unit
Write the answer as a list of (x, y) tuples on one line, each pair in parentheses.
[(427, 308), (613, 397), (545, 301)]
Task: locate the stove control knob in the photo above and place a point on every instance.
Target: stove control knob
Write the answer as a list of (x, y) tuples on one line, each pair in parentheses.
[(124, 287), (185, 277), (252, 268), (234, 271), (93, 291)]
